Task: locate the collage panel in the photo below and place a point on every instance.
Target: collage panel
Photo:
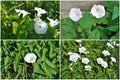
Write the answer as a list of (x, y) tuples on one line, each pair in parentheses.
[(30, 59), (30, 19), (59, 39), (85, 59), (90, 19)]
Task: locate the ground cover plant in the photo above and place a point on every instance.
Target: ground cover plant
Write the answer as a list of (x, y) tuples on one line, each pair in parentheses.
[(30, 19), (90, 59), (101, 22), (30, 60)]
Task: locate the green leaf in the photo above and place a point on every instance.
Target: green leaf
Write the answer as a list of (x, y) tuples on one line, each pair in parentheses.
[(102, 20), (37, 52), (85, 22), (31, 48), (52, 70), (44, 53), (67, 21), (44, 67), (51, 50), (104, 33), (116, 36), (68, 25), (6, 60), (13, 53), (68, 28), (110, 4), (49, 63), (16, 62), (114, 28), (69, 35), (115, 12), (94, 34), (5, 43), (15, 27), (20, 69), (15, 66), (37, 69)]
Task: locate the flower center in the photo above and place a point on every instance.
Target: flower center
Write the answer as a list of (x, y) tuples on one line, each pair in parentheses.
[(97, 10), (31, 58), (77, 14), (39, 27)]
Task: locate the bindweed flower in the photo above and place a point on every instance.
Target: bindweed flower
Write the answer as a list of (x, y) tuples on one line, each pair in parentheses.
[(104, 64), (75, 14), (83, 50), (40, 11), (114, 43), (98, 11), (79, 41), (38, 20), (105, 53), (40, 26), (53, 22), (110, 45), (113, 59), (70, 66), (85, 60), (100, 60), (23, 12), (73, 56), (30, 58), (118, 45), (87, 67)]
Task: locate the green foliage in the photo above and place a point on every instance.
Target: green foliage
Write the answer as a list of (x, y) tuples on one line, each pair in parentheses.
[(87, 26), (13, 65), (68, 26), (95, 49), (19, 27)]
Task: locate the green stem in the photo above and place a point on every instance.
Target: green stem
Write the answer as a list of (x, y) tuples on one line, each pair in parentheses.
[(85, 34), (25, 71), (76, 30)]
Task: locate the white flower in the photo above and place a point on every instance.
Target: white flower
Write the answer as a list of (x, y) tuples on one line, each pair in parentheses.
[(79, 41), (30, 58), (85, 60), (114, 43), (87, 67), (69, 53), (53, 22), (75, 14), (110, 45), (105, 53), (118, 44), (83, 50), (38, 20), (23, 12), (113, 59), (98, 11), (80, 45), (40, 26), (70, 66), (100, 60), (73, 56), (40, 11), (104, 64)]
